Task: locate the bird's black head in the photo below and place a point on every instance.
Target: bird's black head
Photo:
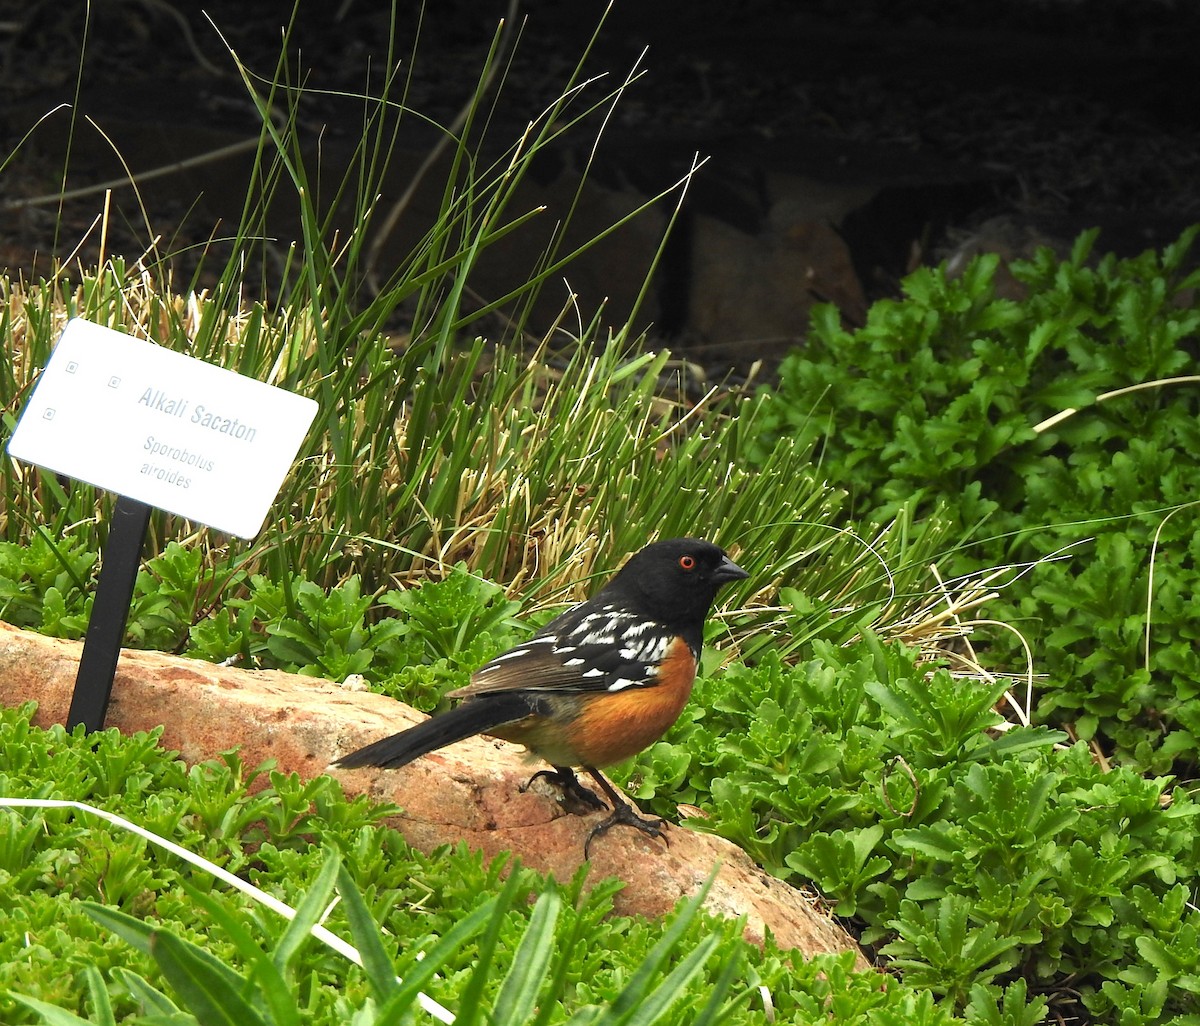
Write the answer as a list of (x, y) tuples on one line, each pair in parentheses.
[(675, 581)]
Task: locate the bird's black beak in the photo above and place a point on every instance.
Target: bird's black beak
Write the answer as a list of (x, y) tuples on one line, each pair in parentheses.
[(728, 570)]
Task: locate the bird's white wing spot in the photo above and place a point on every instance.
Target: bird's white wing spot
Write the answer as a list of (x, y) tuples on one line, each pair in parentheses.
[(516, 653), (599, 638), (649, 651), (621, 683)]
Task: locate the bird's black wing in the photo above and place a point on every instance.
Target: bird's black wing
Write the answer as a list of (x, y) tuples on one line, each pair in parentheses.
[(591, 647)]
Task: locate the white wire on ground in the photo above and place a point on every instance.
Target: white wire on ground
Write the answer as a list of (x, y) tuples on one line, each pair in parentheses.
[(327, 937)]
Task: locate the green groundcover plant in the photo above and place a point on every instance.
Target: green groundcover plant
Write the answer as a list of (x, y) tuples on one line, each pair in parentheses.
[(102, 924), (1059, 430), (996, 870), (963, 855)]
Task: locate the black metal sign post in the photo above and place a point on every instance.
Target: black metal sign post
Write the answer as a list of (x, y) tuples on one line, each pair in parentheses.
[(110, 611)]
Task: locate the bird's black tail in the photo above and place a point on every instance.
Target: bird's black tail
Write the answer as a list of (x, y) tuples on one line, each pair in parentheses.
[(472, 717)]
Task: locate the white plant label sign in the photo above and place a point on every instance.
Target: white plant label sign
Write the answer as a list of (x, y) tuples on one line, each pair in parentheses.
[(163, 428)]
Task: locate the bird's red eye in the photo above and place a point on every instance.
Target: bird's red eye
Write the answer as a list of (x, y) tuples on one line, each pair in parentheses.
[(687, 562)]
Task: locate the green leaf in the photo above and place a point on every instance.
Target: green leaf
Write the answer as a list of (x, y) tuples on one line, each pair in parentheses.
[(377, 964), (1019, 739), (308, 913), (626, 1007), (51, 1014), (207, 987), (153, 1002), (519, 992), (132, 931), (1014, 1008)]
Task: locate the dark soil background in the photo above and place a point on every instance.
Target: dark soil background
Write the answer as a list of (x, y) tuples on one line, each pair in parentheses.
[(855, 138)]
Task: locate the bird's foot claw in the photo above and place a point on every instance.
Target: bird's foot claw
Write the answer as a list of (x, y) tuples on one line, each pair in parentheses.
[(623, 815), (577, 799)]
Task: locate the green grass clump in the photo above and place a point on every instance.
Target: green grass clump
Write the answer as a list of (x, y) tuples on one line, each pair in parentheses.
[(482, 456), (431, 445), (1059, 430), (538, 462)]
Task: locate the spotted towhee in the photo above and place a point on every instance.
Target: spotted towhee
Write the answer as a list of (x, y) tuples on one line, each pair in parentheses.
[(594, 686)]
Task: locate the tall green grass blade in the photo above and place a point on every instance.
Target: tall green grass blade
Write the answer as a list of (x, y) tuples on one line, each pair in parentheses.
[(519, 992), (470, 1001), (102, 1012), (716, 1010), (418, 972), (132, 931), (377, 964), (308, 914), (52, 1015), (629, 1004), (206, 986), (655, 1005), (266, 972)]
